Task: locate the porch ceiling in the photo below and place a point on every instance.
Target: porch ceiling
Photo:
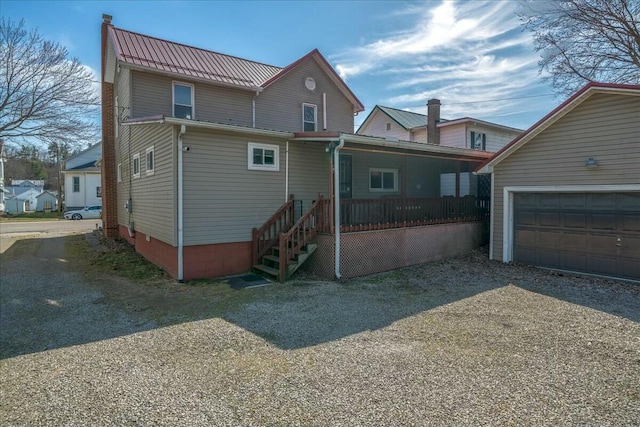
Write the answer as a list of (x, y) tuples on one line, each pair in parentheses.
[(382, 145)]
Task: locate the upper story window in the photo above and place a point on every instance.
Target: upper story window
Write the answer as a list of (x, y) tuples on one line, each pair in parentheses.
[(136, 165), (183, 95), (76, 184), (383, 180), (263, 157), (309, 117), (478, 141), (388, 126), (150, 160)]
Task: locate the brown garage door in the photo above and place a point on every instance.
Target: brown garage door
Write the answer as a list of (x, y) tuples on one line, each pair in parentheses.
[(596, 233)]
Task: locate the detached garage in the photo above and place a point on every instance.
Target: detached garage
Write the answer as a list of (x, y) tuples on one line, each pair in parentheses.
[(566, 193)]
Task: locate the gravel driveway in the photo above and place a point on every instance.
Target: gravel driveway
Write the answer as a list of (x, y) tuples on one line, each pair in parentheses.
[(465, 341)]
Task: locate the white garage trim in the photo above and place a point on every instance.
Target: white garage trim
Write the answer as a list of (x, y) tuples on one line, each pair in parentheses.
[(507, 209)]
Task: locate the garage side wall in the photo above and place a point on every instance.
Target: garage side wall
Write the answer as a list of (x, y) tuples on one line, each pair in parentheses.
[(604, 127)]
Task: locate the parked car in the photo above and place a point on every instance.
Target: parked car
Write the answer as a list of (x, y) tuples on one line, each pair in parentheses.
[(85, 213)]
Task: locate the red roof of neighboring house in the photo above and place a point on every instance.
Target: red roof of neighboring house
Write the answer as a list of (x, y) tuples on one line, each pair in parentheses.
[(568, 105)]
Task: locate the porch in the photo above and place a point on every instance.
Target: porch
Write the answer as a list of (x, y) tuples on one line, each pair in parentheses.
[(408, 195), (377, 234)]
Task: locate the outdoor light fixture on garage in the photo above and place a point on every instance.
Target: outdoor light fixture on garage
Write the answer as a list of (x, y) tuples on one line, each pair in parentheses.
[(591, 163)]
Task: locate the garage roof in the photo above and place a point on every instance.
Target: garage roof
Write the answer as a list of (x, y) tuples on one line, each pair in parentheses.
[(559, 112)]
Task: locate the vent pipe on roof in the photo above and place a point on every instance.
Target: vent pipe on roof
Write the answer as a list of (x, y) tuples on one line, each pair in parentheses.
[(433, 118)]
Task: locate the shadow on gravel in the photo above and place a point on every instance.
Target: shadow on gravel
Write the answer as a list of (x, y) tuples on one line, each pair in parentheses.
[(47, 303)]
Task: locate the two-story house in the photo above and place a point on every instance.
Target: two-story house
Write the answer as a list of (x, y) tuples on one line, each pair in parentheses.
[(214, 164), (83, 179), (465, 132)]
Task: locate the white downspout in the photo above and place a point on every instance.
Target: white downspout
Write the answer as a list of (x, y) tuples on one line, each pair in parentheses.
[(286, 172), (253, 109), (324, 111), (336, 204), (183, 130)]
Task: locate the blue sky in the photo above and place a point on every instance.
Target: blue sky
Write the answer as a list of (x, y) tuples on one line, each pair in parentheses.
[(472, 55)]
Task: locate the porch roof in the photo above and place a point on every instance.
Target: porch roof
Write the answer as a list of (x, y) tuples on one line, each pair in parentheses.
[(378, 144)]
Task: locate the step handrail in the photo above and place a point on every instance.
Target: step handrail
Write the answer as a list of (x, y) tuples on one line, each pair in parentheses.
[(265, 237), (298, 236)]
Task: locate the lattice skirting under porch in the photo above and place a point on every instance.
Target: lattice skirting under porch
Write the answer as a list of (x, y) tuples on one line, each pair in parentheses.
[(369, 252)]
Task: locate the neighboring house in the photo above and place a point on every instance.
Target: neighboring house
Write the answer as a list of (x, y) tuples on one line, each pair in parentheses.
[(24, 201), (208, 160), (46, 202), (83, 179), (566, 193), (393, 124), (3, 191), (19, 186), (464, 132)]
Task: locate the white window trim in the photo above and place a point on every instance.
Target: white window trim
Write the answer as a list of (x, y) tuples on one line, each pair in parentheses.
[(146, 160), (315, 116), (276, 154), (133, 164), (119, 172), (384, 190), (508, 205), (173, 98)]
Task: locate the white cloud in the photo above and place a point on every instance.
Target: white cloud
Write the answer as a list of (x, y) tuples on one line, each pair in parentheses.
[(458, 52)]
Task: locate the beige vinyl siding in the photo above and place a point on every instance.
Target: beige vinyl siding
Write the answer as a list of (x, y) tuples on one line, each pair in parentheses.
[(122, 90), (496, 139), (153, 200), (153, 95), (309, 172), (362, 161), (419, 135), (223, 200), (453, 136), (377, 126), (279, 107), (423, 173), (605, 127)]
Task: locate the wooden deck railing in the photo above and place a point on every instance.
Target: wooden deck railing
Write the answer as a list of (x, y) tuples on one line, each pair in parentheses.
[(383, 213), (265, 237), (300, 234)]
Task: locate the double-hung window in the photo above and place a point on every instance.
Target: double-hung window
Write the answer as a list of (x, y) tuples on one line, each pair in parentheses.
[(478, 141), (263, 157), (183, 96), (136, 165), (150, 160), (76, 184), (383, 180), (309, 117)]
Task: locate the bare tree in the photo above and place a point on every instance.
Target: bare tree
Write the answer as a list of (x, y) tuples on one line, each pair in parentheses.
[(46, 98), (585, 40)]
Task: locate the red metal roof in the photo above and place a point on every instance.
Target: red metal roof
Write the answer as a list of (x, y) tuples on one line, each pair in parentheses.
[(163, 55)]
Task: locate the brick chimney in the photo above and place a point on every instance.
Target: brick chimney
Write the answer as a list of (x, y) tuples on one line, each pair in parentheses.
[(433, 118), (109, 184)]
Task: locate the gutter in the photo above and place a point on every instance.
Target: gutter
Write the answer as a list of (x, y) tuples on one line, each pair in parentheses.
[(336, 204), (208, 125), (183, 130)]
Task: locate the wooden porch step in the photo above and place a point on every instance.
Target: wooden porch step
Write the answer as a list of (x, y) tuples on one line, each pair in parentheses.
[(273, 272)]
